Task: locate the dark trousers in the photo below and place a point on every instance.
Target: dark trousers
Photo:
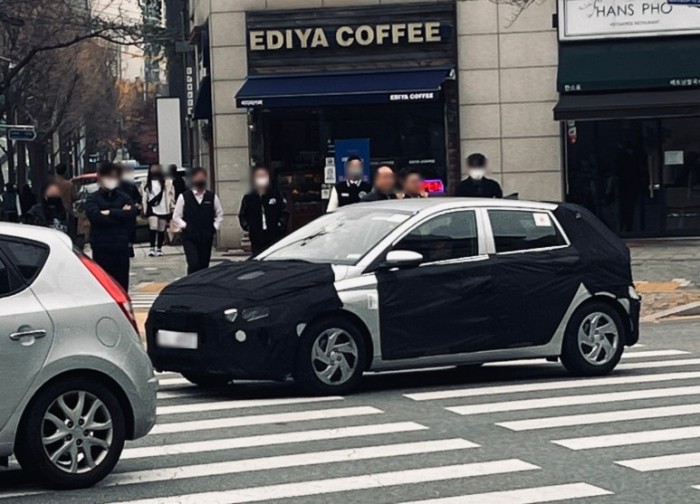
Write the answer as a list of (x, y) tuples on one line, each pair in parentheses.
[(116, 263), (197, 252), (262, 240)]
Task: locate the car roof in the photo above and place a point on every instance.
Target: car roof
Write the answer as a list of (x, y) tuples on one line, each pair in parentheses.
[(36, 233), (420, 204)]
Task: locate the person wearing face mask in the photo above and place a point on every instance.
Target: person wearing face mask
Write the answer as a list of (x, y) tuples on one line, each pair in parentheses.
[(263, 212), (50, 212), (477, 185), (111, 214), (158, 202), (353, 188), (198, 214)]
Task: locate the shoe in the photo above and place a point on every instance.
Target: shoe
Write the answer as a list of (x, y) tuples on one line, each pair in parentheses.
[(159, 253), (152, 253)]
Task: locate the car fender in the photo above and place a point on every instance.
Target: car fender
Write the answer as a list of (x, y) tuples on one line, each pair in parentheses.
[(359, 297)]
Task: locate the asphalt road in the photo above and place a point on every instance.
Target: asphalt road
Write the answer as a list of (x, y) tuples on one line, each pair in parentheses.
[(502, 434)]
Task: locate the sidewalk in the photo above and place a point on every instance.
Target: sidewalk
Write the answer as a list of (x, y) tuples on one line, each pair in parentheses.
[(667, 274)]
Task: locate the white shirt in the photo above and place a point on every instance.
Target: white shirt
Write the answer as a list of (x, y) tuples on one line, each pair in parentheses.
[(199, 196)]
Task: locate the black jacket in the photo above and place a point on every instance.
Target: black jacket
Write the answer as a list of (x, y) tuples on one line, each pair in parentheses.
[(110, 233), (375, 195), (484, 188), (251, 214), (44, 215)]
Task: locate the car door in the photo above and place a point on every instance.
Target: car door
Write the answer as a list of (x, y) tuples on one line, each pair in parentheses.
[(534, 271), (26, 330), (443, 306)]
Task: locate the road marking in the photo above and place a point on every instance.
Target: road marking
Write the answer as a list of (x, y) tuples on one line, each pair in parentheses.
[(658, 364), (271, 439), (653, 353), (556, 385), (297, 416), (630, 438), (555, 402), (598, 418), (251, 403), (662, 463), (346, 484), (524, 495), (296, 460)]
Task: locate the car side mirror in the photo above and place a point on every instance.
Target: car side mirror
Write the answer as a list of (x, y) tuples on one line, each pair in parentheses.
[(402, 259)]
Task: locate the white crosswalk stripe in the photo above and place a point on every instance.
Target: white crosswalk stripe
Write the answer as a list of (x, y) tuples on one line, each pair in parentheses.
[(662, 463), (630, 438), (142, 302), (195, 407)]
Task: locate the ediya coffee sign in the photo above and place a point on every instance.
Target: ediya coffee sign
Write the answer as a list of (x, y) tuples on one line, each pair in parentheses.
[(591, 19)]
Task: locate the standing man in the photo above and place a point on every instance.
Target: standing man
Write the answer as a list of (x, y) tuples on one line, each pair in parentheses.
[(353, 189), (68, 193), (198, 213), (476, 185), (11, 206), (129, 187), (111, 214), (263, 212), (384, 185), (412, 184)]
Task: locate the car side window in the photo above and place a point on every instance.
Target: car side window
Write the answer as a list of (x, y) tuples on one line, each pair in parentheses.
[(520, 230), (28, 258), (445, 237), (5, 280)]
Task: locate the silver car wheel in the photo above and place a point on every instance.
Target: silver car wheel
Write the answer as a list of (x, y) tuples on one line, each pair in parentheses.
[(77, 432), (334, 356), (598, 338)]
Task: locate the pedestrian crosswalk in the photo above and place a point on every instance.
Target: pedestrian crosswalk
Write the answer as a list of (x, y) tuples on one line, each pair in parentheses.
[(209, 446), (142, 302)]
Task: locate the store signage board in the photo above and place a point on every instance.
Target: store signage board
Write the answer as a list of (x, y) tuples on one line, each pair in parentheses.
[(595, 19)]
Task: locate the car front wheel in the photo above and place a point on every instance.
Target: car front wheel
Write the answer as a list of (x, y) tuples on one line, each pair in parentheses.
[(72, 435), (594, 340), (331, 357)]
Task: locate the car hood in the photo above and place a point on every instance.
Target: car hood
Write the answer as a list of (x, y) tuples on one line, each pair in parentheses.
[(251, 283)]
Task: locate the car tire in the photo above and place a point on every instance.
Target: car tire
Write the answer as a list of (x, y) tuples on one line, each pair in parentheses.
[(594, 340), (96, 426), (207, 380), (331, 357)]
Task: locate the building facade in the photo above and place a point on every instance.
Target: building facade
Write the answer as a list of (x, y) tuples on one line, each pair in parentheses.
[(298, 84)]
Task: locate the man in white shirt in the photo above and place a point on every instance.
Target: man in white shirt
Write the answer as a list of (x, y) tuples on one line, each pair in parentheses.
[(353, 188), (199, 214)]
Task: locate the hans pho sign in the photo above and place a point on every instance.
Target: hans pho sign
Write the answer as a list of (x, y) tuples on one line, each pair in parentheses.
[(591, 19), (345, 36)]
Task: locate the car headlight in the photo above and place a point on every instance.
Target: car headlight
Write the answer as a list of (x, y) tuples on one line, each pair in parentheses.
[(256, 313), (231, 315)]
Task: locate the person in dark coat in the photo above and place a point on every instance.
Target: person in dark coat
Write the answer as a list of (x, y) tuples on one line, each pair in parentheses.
[(111, 214), (26, 199), (179, 184), (477, 185), (50, 212), (353, 188), (11, 206), (384, 185), (263, 212), (412, 184), (198, 214), (129, 187)]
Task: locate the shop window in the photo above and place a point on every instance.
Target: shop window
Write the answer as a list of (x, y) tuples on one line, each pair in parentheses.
[(520, 230)]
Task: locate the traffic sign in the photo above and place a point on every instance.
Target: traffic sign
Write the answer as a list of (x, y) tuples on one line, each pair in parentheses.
[(22, 134)]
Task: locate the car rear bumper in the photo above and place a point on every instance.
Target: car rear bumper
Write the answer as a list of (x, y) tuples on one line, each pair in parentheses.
[(635, 310), (145, 408)]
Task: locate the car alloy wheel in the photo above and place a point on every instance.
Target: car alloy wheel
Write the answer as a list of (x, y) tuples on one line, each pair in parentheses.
[(598, 338), (77, 432), (334, 356)]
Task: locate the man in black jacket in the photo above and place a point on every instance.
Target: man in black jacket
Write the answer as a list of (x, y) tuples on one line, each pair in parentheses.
[(353, 188), (384, 185), (111, 214), (198, 213), (477, 185), (263, 212)]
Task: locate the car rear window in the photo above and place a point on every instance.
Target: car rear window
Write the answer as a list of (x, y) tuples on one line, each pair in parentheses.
[(521, 230), (28, 257)]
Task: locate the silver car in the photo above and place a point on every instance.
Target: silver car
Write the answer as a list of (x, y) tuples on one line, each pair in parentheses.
[(406, 284), (75, 380)]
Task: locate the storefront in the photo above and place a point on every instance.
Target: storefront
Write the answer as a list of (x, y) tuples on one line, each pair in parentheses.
[(379, 82), (629, 84)]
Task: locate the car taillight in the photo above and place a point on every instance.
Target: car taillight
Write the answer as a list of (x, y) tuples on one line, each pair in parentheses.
[(113, 289)]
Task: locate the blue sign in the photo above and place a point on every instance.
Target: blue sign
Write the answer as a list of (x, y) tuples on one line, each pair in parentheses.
[(352, 147), (21, 134)]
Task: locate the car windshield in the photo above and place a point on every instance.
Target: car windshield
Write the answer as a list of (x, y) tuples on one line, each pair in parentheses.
[(341, 237)]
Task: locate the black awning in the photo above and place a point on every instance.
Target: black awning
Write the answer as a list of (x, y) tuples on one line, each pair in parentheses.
[(628, 105), (398, 86), (629, 65), (203, 104)]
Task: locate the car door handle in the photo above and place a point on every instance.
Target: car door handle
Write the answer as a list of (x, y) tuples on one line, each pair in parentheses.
[(36, 334)]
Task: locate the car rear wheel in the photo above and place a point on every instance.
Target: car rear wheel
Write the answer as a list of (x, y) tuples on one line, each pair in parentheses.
[(331, 357), (594, 341), (72, 434), (207, 380)]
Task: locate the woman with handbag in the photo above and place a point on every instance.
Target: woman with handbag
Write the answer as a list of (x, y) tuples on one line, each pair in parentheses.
[(158, 203)]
